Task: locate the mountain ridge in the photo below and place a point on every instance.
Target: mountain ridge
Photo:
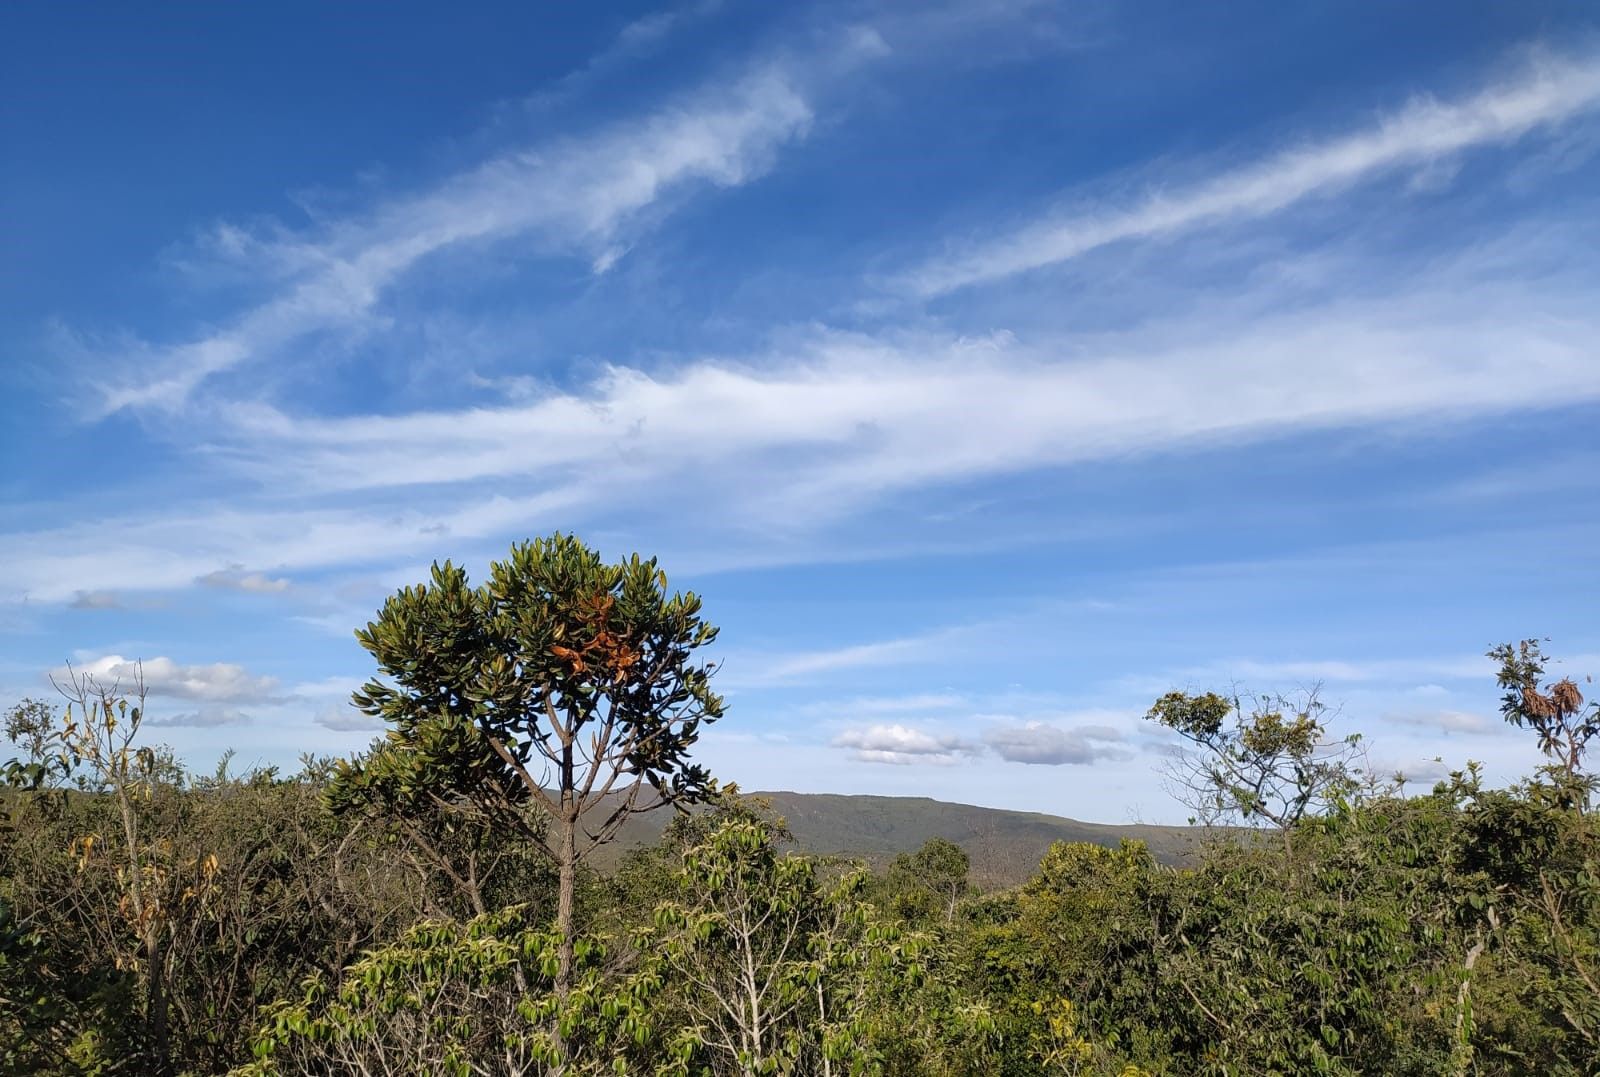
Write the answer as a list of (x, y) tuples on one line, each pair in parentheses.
[(1005, 845)]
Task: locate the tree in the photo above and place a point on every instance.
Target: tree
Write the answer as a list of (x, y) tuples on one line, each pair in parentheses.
[(155, 888), (562, 681), (773, 964), (472, 999), (1556, 713), (930, 882), (1271, 763)]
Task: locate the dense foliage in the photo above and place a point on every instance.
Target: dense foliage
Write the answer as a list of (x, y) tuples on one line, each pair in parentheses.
[(380, 916)]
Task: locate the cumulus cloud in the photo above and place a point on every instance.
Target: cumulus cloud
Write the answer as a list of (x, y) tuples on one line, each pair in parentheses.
[(903, 745), (204, 718), (346, 719), (235, 578), (1043, 744), (1443, 721), (96, 600), (220, 682), (1422, 772)]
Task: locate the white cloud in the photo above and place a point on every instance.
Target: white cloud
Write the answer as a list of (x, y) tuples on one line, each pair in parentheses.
[(96, 600), (574, 197), (204, 718), (792, 667), (810, 434), (1419, 771), (1050, 745), (1250, 673), (903, 745), (1424, 134), (346, 719), (160, 551), (220, 682), (1444, 721), (912, 703), (235, 578), (840, 416)]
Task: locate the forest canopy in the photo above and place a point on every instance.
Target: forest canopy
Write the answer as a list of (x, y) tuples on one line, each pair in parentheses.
[(432, 904)]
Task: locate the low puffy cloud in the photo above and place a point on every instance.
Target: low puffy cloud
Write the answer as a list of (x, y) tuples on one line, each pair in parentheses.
[(96, 600), (903, 745), (220, 682), (235, 578), (1422, 772), (204, 718), (1043, 744), (346, 719), (1015, 742), (1444, 721)]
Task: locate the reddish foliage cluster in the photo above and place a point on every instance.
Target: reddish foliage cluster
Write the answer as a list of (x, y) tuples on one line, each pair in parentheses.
[(606, 650)]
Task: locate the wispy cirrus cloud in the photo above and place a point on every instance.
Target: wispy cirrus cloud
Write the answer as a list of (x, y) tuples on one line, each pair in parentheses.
[(787, 668), (845, 414), (158, 552), (1265, 672), (834, 423), (576, 197), (1550, 90)]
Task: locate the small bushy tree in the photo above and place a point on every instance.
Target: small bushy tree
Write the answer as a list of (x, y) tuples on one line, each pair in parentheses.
[(775, 965), (1262, 760), (1554, 711), (562, 681), (929, 883), (472, 999)]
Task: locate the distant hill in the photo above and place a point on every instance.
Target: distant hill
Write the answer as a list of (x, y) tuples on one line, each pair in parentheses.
[(1005, 846)]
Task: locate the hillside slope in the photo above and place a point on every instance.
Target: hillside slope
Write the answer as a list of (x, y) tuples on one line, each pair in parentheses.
[(1005, 846)]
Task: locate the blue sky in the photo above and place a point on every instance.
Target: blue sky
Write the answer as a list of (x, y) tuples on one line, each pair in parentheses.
[(989, 368)]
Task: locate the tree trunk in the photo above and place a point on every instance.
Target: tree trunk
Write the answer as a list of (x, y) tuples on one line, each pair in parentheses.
[(1461, 1052), (567, 889), (156, 1009), (567, 886)]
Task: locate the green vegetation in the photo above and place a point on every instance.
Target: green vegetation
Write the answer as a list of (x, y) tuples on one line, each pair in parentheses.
[(439, 905)]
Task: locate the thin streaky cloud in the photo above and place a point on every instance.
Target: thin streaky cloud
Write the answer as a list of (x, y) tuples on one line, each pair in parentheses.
[(835, 425), (571, 198), (1551, 91), (778, 669), (847, 417), (158, 552)]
